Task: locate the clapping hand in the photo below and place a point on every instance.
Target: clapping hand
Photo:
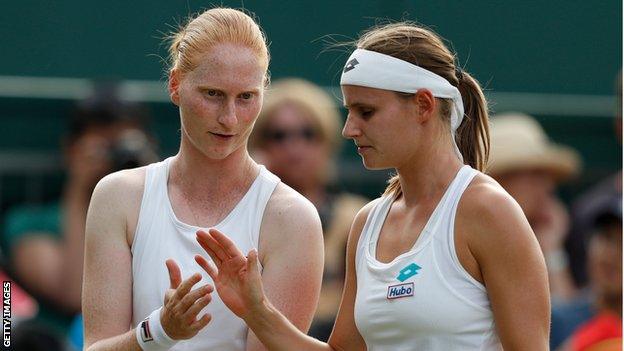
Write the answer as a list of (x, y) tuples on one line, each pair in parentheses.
[(181, 306), (236, 276)]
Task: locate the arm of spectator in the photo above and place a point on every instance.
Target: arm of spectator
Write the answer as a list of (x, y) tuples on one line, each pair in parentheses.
[(551, 232), (509, 257), (57, 276), (41, 276), (57, 273)]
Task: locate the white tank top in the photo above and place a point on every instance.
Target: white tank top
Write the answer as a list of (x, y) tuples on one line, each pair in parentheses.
[(160, 235), (423, 299)]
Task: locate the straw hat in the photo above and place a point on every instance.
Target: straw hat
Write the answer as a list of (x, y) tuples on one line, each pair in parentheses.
[(518, 143)]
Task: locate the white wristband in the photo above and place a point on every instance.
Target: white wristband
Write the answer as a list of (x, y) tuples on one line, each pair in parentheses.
[(151, 336)]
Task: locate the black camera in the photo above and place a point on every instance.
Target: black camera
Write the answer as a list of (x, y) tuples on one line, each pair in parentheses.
[(133, 148)]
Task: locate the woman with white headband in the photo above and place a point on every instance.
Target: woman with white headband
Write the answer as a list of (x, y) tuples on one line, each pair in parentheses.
[(445, 259)]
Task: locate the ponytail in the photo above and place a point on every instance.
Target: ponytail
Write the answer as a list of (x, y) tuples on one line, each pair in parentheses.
[(473, 135)]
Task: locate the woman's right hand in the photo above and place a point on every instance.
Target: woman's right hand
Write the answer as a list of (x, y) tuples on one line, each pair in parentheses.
[(236, 276), (178, 316)]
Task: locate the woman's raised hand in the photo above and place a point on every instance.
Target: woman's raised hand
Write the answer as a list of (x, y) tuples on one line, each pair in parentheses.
[(236, 277), (181, 306)]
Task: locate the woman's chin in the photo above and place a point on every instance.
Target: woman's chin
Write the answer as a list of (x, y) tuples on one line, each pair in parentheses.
[(371, 165)]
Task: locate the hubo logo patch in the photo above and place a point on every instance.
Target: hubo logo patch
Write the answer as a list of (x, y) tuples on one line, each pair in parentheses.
[(400, 290)]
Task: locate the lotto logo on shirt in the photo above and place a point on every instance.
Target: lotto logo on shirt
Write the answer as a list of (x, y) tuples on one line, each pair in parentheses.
[(400, 290), (408, 272)]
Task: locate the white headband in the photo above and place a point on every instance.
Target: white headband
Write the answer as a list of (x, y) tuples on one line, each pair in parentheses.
[(374, 70)]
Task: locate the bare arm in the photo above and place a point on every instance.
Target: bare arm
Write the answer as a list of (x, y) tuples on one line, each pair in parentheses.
[(345, 336), (107, 287), (551, 231), (239, 285), (107, 290), (512, 266), (291, 247)]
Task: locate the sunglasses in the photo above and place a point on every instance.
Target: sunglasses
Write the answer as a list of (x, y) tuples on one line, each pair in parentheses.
[(279, 136)]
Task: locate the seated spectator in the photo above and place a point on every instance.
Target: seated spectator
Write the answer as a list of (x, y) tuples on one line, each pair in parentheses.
[(596, 227), (529, 167), (44, 244), (297, 137), (595, 318), (585, 205)]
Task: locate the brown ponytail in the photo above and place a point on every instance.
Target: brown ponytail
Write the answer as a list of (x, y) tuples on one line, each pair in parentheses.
[(473, 135), (422, 47)]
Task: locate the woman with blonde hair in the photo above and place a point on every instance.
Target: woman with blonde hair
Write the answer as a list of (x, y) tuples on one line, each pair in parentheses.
[(141, 218), (445, 259)]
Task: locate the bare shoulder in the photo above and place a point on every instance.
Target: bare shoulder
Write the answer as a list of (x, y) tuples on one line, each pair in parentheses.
[(358, 224), (485, 199), (116, 200), (490, 217), (287, 205), (362, 215), (290, 227), (128, 183), (289, 223)]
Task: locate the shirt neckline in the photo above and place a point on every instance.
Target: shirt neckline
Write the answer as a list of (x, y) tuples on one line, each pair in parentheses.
[(425, 234), (193, 228)]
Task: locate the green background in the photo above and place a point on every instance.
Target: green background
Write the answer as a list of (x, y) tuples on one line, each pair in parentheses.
[(544, 47)]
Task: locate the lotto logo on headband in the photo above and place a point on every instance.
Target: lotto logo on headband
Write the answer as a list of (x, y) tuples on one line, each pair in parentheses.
[(350, 65), (146, 335), (401, 290)]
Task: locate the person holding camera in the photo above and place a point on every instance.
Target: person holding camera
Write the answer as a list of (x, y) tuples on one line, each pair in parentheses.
[(104, 135)]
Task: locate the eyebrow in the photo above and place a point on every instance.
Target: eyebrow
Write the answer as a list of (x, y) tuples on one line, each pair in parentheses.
[(246, 90), (357, 104)]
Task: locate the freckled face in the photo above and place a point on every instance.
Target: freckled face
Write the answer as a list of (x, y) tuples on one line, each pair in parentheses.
[(382, 126), (220, 99)]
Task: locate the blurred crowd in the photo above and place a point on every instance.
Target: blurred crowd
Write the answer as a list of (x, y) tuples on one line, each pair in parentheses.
[(297, 137)]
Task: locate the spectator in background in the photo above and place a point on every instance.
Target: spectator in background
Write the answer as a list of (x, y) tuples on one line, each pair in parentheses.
[(585, 205), (44, 244), (297, 137), (596, 316), (529, 167), (596, 238)]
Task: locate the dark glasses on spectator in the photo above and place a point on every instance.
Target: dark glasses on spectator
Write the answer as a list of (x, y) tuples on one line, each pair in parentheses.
[(282, 135)]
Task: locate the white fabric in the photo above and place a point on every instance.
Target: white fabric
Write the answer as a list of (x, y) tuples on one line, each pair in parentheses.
[(151, 336), (448, 309), (375, 70), (161, 235)]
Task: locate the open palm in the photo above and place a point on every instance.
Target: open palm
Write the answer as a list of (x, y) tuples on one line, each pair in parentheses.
[(236, 278)]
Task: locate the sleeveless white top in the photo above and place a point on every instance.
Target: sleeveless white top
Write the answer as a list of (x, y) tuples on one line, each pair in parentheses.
[(423, 299), (160, 235)]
